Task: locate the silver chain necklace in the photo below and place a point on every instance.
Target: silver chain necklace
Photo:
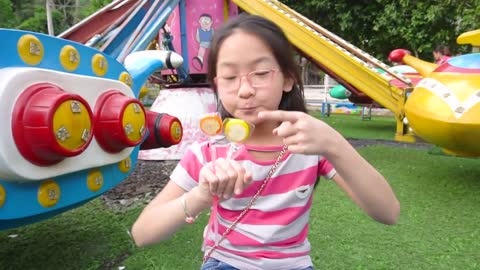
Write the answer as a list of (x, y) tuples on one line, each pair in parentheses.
[(249, 205)]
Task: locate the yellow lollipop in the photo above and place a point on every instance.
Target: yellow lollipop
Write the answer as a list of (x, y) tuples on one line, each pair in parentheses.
[(237, 130)]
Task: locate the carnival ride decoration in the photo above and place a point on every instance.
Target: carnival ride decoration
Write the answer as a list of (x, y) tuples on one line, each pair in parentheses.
[(444, 107), (72, 124), (470, 38)]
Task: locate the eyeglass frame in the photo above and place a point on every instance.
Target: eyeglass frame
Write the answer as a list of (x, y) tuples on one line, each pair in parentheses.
[(246, 76)]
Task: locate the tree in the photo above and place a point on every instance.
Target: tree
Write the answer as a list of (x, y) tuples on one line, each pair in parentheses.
[(38, 22), (31, 15), (6, 11), (95, 5), (380, 26)]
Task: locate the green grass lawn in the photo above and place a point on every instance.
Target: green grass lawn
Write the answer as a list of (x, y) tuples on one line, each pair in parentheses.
[(438, 227), (352, 126)]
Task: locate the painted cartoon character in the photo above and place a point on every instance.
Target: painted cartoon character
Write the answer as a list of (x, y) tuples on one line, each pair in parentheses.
[(204, 37)]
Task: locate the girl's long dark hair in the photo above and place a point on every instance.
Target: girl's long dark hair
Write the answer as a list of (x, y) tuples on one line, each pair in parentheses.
[(275, 38)]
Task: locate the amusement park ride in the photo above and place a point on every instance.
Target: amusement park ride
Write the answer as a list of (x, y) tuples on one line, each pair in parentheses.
[(74, 125)]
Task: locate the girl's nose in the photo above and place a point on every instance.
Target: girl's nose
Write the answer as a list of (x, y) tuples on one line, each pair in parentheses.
[(245, 90)]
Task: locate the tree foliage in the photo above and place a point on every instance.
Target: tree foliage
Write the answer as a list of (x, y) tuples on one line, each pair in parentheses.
[(6, 11), (31, 14), (376, 26), (382, 25)]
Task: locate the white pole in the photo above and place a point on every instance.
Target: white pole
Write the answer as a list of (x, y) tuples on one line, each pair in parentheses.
[(326, 82), (49, 18)]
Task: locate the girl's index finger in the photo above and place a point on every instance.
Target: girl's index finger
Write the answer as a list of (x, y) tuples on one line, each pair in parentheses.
[(280, 116)]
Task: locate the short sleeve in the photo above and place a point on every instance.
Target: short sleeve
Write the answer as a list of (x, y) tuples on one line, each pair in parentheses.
[(186, 173), (325, 168)]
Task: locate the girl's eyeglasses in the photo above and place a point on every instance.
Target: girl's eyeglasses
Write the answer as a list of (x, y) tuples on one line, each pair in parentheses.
[(256, 79)]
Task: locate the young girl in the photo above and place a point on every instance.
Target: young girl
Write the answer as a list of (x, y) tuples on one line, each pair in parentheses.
[(266, 193)]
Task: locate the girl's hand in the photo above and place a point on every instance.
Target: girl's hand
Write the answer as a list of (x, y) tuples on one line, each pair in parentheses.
[(225, 180), (301, 132)]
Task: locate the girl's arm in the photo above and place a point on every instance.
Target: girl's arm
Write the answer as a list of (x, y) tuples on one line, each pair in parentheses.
[(363, 183), (164, 215), (305, 134), (341, 183)]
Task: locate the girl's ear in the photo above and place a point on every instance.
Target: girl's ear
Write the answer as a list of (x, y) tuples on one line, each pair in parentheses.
[(288, 84)]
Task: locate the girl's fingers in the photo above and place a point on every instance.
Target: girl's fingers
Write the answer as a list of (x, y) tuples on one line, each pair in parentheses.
[(229, 178), (228, 191), (284, 130), (208, 179), (206, 176), (226, 177), (247, 179), (239, 184), (217, 185), (280, 116), (291, 140), (213, 184), (229, 182), (297, 148), (297, 143)]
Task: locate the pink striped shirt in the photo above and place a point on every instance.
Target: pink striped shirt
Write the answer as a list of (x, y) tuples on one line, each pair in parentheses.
[(273, 234)]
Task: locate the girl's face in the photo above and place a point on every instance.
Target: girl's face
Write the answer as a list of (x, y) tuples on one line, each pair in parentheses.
[(248, 78)]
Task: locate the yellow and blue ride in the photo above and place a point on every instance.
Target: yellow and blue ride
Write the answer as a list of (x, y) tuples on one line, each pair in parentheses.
[(72, 124), (444, 107)]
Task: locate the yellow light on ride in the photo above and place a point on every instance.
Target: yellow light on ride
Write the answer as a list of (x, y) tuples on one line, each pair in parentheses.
[(133, 122), (50, 124), (126, 78), (30, 49), (71, 125), (99, 65), (48, 193), (176, 131), (125, 165), (69, 58), (3, 196), (120, 121), (95, 180)]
